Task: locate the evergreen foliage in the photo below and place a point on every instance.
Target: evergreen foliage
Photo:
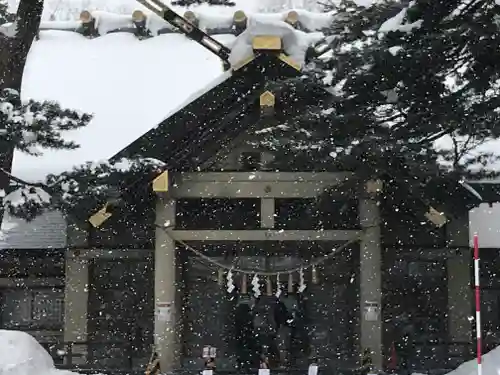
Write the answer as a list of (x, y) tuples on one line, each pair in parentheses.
[(34, 127), (415, 93)]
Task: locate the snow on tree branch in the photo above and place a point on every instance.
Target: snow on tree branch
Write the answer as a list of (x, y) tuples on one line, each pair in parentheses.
[(402, 77), (74, 192), (30, 125), (33, 127)]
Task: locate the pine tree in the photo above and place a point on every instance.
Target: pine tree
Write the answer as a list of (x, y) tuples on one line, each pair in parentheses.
[(390, 73), (33, 127), (15, 43)]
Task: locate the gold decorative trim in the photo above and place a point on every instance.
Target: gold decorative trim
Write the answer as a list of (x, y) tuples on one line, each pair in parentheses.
[(191, 17), (292, 18), (85, 16), (239, 17), (267, 99), (437, 218), (243, 62), (267, 42), (374, 186), (287, 60), (161, 183), (138, 16), (97, 219)]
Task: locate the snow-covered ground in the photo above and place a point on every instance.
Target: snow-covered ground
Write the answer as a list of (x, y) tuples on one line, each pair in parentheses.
[(21, 354), (491, 365)]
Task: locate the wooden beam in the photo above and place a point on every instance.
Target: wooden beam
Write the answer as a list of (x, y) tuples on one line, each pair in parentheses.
[(113, 254), (249, 190), (229, 177), (254, 185), (12, 283), (263, 235), (437, 218), (240, 64), (287, 60)]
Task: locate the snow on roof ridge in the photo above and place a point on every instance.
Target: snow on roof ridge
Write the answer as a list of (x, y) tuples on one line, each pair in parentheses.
[(295, 42), (208, 18)]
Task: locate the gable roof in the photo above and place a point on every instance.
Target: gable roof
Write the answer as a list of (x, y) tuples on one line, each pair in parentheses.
[(184, 139)]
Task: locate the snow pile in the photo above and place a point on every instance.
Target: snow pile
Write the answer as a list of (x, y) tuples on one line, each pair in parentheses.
[(21, 354), (5, 228), (471, 149), (295, 42), (213, 18), (491, 365)]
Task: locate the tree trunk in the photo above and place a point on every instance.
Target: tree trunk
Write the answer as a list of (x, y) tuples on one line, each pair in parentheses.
[(13, 54)]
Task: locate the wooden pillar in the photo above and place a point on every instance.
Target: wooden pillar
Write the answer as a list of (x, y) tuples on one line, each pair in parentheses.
[(460, 298), (76, 292), (267, 211), (371, 274), (166, 330)]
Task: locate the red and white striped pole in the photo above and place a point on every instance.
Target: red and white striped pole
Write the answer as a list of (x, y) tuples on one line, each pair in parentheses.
[(478, 304)]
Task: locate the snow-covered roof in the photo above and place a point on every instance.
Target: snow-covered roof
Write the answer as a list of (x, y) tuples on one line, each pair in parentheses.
[(129, 85), (47, 231)]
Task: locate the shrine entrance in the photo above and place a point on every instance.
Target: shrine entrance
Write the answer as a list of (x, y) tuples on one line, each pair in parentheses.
[(287, 328)]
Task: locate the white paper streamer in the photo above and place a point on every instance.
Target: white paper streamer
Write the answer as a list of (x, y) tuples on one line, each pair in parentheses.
[(230, 284), (278, 286), (302, 283), (256, 286)]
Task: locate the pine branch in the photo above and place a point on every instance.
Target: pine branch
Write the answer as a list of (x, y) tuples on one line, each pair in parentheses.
[(22, 182), (74, 191), (33, 125)]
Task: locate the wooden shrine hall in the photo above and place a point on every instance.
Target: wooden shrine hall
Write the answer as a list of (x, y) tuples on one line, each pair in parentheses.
[(218, 208), (220, 246)]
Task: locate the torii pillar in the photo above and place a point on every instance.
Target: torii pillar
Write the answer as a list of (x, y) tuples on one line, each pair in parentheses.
[(166, 323), (371, 274)]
